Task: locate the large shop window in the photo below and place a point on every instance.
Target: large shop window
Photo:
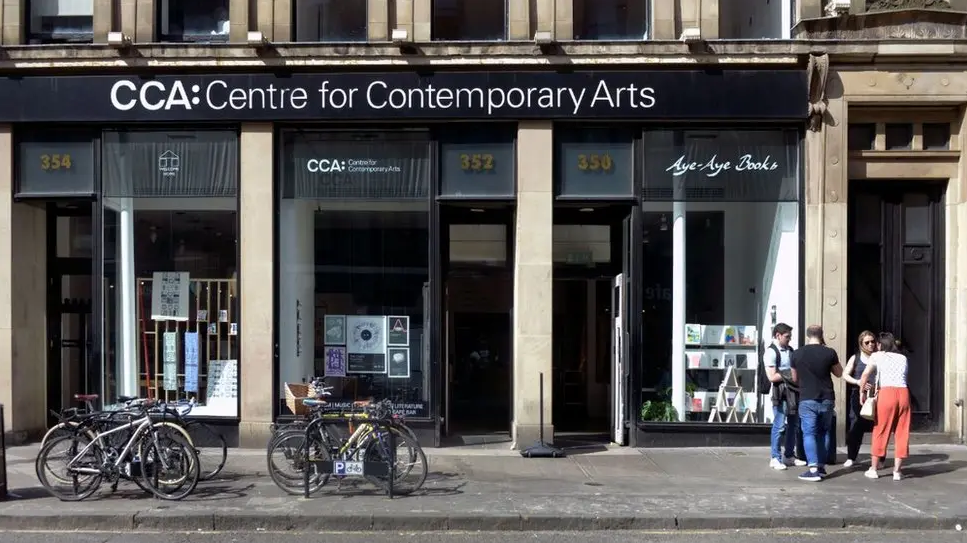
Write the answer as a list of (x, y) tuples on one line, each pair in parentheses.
[(171, 267), (330, 20), (459, 20), (60, 21), (722, 266), (354, 265)]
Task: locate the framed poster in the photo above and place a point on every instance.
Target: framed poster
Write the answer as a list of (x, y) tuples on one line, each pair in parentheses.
[(191, 362), (170, 357), (397, 331), (335, 329), (399, 362), (366, 335), (335, 361)]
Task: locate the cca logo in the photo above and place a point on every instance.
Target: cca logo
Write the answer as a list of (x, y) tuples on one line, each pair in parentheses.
[(325, 165), (151, 95)]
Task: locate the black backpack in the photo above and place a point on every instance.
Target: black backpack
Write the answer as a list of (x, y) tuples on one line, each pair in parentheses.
[(762, 378)]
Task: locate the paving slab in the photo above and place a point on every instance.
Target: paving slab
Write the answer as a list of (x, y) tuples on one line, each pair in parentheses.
[(607, 489)]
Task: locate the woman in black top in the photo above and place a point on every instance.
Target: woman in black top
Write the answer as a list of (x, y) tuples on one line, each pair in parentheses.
[(851, 374)]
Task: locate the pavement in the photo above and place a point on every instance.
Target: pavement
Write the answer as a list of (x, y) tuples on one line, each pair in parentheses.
[(493, 489)]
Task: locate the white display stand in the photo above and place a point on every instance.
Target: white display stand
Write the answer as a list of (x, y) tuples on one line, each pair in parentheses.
[(729, 351), (735, 411)]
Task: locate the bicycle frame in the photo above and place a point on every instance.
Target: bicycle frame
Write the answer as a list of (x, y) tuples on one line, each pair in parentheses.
[(140, 426)]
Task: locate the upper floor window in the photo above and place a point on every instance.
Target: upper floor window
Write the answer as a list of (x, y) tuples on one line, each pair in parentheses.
[(193, 20), (476, 20), (757, 19), (61, 21), (330, 20), (610, 19)]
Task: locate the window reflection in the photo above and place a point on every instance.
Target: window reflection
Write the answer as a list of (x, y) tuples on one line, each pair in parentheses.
[(459, 20), (610, 20), (193, 20), (330, 20), (61, 21)]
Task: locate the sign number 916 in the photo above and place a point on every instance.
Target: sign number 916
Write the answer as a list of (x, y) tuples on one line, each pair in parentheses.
[(55, 162)]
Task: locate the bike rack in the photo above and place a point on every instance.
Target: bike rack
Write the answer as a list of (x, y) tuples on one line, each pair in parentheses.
[(377, 469)]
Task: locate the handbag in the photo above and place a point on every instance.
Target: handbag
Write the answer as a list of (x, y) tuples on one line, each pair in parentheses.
[(868, 411)]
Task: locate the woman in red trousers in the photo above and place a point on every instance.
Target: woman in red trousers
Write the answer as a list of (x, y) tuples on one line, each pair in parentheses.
[(892, 404)]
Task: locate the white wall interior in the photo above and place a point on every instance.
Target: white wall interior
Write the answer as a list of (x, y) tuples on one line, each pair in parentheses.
[(589, 240), (478, 243)]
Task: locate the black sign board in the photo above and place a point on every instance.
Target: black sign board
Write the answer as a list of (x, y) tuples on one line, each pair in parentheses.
[(596, 163), (365, 363), (643, 94), (478, 162)]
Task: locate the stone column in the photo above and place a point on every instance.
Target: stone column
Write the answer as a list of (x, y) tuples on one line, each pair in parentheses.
[(282, 30), (833, 242), (564, 21), (422, 18), (663, 20), (403, 18), (955, 292), (519, 18), (378, 25), (238, 19), (103, 14), (13, 30), (533, 267), (265, 19), (709, 19), (23, 326), (256, 285), (297, 279), (129, 18), (144, 29)]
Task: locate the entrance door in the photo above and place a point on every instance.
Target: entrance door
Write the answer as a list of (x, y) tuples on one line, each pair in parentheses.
[(479, 363), (72, 367), (896, 279)]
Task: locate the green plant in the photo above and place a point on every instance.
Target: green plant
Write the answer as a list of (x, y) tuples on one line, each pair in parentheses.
[(658, 411)]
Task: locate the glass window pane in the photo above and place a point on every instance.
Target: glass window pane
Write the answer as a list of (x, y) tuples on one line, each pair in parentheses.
[(721, 165), (610, 19), (357, 165), (595, 162), (478, 162), (330, 20), (352, 298), (899, 136), (56, 163), (936, 136), (171, 300), (459, 20), (861, 137), (736, 261), (193, 20), (61, 21), (916, 218)]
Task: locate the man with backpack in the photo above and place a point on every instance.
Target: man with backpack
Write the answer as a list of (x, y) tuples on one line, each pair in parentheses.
[(777, 380)]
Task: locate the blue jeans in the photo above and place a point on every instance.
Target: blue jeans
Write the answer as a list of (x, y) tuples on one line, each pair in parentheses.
[(816, 418), (781, 424)]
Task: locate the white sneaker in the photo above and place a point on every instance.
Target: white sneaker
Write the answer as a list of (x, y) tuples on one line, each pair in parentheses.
[(848, 463), (871, 474), (777, 464), (897, 476), (799, 463)]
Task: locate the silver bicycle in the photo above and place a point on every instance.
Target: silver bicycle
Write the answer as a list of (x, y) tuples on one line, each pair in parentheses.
[(158, 459)]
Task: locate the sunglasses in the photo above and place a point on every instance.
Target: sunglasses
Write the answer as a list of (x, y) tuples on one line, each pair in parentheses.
[(870, 342)]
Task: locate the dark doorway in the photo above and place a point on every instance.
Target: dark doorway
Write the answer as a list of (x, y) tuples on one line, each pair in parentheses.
[(72, 367), (896, 277), (477, 302)]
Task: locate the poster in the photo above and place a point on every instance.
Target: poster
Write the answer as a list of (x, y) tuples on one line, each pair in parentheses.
[(335, 329), (222, 381), (191, 362), (169, 357), (366, 335), (366, 363), (335, 361), (169, 296), (399, 362), (398, 331)]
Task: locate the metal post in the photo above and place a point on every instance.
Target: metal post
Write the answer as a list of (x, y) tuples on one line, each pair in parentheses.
[(3, 457), (392, 460)]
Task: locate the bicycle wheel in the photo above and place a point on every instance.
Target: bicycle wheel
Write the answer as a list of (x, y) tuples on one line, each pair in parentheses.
[(169, 465), (288, 459), (411, 466), (62, 429), (66, 484), (210, 446)]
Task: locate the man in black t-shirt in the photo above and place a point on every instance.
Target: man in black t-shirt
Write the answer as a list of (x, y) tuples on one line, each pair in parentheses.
[(813, 366)]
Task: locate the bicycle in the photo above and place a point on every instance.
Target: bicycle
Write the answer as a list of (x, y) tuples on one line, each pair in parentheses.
[(303, 447), (147, 453), (195, 431)]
